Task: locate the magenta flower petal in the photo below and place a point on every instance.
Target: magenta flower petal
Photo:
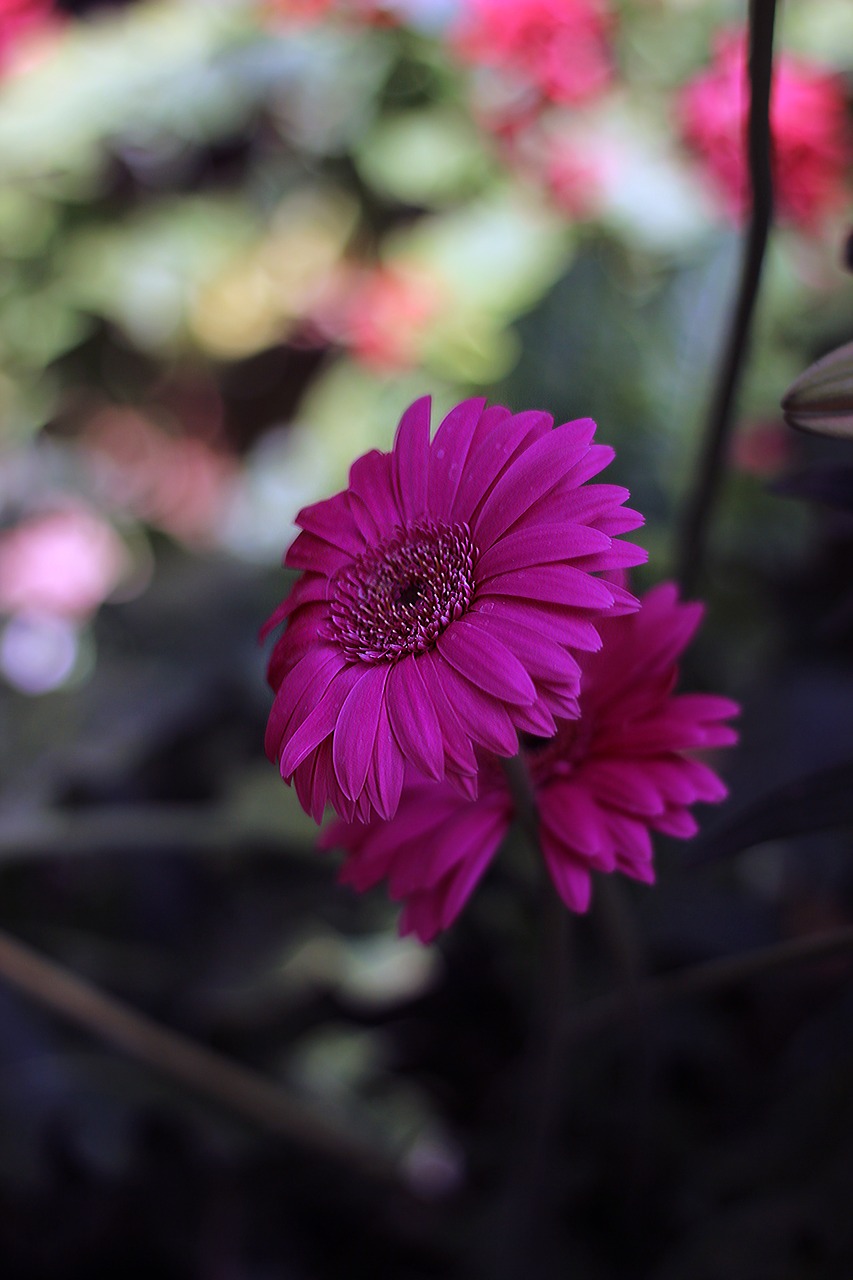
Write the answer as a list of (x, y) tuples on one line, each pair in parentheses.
[(677, 822), (465, 878), (450, 450), (486, 663), (543, 544), (622, 555), (458, 836), (492, 453), (571, 877), (319, 722), (298, 693), (370, 481), (414, 721), (459, 751), (554, 621), (596, 458), (537, 471), (589, 506), (356, 727), (554, 584), (571, 815), (536, 720), (542, 657), (386, 774), (311, 552), (604, 782), (628, 790), (486, 721), (401, 573), (410, 460), (332, 521)]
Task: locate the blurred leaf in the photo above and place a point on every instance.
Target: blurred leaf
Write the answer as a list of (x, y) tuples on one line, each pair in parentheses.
[(108, 74), (428, 158), (255, 299), (144, 274), (499, 253)]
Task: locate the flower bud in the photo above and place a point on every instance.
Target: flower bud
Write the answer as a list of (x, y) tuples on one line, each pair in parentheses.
[(821, 399)]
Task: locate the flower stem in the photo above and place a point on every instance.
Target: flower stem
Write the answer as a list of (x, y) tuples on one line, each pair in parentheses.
[(693, 542), (520, 1243), (206, 1072)]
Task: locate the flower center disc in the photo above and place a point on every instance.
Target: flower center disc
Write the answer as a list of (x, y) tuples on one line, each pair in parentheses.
[(397, 598)]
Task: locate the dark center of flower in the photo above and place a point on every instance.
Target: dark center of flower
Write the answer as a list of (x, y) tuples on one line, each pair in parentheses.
[(398, 597)]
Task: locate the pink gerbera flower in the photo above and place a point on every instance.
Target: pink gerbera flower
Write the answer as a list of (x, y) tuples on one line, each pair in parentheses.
[(442, 599), (603, 783)]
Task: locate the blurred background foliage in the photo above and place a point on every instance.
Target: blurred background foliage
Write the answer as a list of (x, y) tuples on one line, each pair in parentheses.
[(236, 239)]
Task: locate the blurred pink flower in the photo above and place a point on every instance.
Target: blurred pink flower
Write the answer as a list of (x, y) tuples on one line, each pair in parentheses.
[(560, 47), (20, 20), (442, 600), (808, 116), (603, 783), (575, 175), (369, 11), (763, 449), (383, 315), (63, 563), (177, 483)]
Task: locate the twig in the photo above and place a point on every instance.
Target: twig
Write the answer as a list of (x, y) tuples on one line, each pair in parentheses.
[(701, 979), (136, 829), (693, 543), (171, 1054)]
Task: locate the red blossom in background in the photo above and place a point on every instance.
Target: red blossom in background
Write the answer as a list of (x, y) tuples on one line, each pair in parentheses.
[(308, 11), (560, 47), (178, 483), (603, 783), (381, 315), (576, 176), (443, 598), (19, 20), (808, 116)]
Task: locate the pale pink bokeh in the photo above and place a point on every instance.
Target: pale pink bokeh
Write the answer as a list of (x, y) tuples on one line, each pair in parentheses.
[(64, 563), (381, 314), (180, 484)]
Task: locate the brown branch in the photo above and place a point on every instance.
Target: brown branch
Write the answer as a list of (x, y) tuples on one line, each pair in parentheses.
[(171, 1054), (195, 829), (702, 979)]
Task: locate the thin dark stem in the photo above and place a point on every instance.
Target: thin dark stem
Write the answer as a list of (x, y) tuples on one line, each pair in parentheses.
[(171, 1054), (524, 1218), (693, 544), (703, 979)]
